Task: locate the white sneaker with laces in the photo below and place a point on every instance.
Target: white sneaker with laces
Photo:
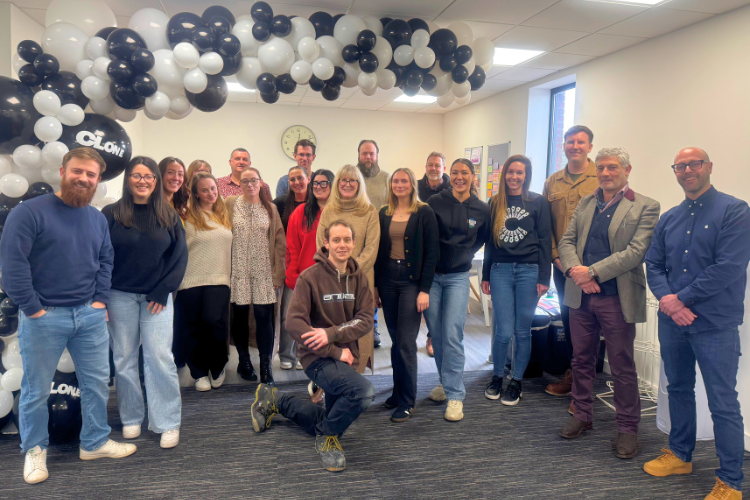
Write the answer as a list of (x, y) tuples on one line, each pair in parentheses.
[(218, 381), (438, 394), (110, 449), (131, 431), (35, 465), (299, 366), (454, 412), (170, 439), (285, 365)]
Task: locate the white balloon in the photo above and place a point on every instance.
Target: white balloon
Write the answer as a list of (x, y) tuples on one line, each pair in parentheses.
[(167, 73), (48, 129), (100, 68), (330, 49), (66, 365), (211, 63), (158, 104), (463, 100), (51, 173), (179, 105), (6, 402), (47, 102), (174, 116), (11, 380), (13, 185), (301, 72), (17, 62), (6, 164), (462, 31), (243, 30), (403, 55), (152, 116), (444, 101), (101, 192), (277, 56), (67, 43), (85, 68), (347, 28), (12, 355), (186, 56), (369, 92), (53, 153), (96, 47), (151, 24), (107, 200), (301, 28), (352, 72), (373, 24), (103, 106), (424, 57), (444, 82), (420, 38), (94, 88), (195, 81), (487, 66), (483, 51), (31, 175), (323, 68), (250, 70), (386, 78), (125, 115), (383, 51), (244, 17), (309, 49), (70, 115), (367, 81), (28, 156), (89, 15), (461, 89)]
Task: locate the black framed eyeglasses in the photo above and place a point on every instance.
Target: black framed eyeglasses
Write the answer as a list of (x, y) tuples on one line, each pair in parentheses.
[(350, 182), (138, 177), (694, 166), (321, 184)]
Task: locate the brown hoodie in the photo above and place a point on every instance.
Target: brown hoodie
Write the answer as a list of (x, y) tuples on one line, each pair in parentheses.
[(341, 304)]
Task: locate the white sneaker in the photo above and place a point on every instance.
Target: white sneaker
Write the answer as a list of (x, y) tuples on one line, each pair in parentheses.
[(285, 364), (455, 411), (202, 384), (110, 449), (299, 366), (438, 394), (218, 381), (170, 439), (131, 431), (35, 465)]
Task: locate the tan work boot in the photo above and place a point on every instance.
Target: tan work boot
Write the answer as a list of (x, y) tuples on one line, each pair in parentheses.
[(455, 411), (722, 491), (667, 464), (562, 388), (438, 394)]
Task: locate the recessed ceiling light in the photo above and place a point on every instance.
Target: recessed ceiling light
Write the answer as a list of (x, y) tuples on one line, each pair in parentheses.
[(631, 2), (511, 57), (236, 87), (424, 99)]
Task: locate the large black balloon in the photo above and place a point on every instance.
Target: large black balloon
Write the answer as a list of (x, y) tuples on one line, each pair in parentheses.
[(228, 45), (418, 24), (67, 86), (338, 78), (477, 78), (285, 84), (409, 90), (121, 43), (29, 77), (7, 306), (106, 136), (316, 83), (270, 97), (261, 12), (448, 62), (443, 41), (231, 64), (463, 53), (8, 325), (368, 62), (181, 26), (323, 23), (331, 92), (266, 83), (144, 85), (6, 205), (125, 96), (64, 405), (397, 33), (460, 74), (399, 71), (203, 39), (213, 97), (220, 26), (350, 53), (29, 50), (46, 65), (218, 10), (261, 31), (120, 71), (366, 40), (36, 189), (429, 82), (105, 32), (414, 78), (142, 60), (281, 25)]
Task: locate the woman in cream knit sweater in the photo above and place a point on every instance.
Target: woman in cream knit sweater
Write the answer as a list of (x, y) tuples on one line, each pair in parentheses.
[(349, 201)]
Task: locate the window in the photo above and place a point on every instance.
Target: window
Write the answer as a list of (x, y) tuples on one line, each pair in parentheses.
[(561, 118)]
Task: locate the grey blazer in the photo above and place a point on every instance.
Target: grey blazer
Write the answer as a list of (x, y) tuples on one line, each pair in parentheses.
[(630, 235)]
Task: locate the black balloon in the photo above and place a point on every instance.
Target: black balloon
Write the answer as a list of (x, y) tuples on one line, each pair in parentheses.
[(443, 41), (338, 78), (316, 83), (409, 90), (121, 43), (106, 136), (418, 24), (228, 45), (7, 306), (46, 65), (368, 62), (366, 40), (220, 26), (414, 78), (125, 96), (67, 86), (385, 20), (399, 71), (261, 12), (28, 50), (261, 31), (285, 84), (448, 62), (350, 53), (429, 82), (266, 83), (105, 32), (120, 71), (231, 64), (64, 405), (323, 23), (144, 85), (203, 39), (218, 10), (29, 76), (36, 189), (477, 78), (281, 25), (397, 33), (142, 60), (463, 53), (213, 97), (181, 26), (331, 92), (270, 97), (5, 209), (460, 74), (8, 325)]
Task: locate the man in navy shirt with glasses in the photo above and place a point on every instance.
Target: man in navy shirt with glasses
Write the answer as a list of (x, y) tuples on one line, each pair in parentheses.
[(697, 269)]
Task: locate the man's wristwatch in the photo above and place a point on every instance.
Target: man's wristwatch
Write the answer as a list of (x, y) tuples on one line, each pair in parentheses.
[(591, 273)]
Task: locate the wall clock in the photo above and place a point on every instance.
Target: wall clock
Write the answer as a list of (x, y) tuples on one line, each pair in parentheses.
[(293, 134)]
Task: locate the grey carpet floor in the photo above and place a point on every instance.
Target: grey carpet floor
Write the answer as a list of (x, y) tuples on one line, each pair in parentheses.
[(496, 452)]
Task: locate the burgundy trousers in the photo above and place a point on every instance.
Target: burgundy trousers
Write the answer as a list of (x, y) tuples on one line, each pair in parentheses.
[(603, 313)]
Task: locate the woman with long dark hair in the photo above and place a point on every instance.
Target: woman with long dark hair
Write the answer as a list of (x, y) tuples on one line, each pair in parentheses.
[(258, 249), (150, 261), (516, 272), (464, 226), (296, 196), (174, 179), (404, 271)]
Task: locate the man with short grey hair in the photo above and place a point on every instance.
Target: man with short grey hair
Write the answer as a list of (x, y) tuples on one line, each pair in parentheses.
[(601, 254), (228, 186)]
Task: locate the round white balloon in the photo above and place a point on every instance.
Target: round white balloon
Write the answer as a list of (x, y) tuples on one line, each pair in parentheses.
[(420, 38), (11, 380), (461, 89), (174, 116), (186, 55), (444, 81), (85, 68), (103, 106), (167, 73), (367, 81), (47, 102), (48, 129), (352, 72), (309, 49), (53, 153), (6, 402), (152, 116), (94, 88), (347, 28), (125, 115), (179, 105), (373, 24), (250, 70), (483, 51), (211, 63), (383, 51), (107, 200), (12, 355), (444, 101), (89, 15), (301, 28), (151, 24), (277, 56), (13, 185), (243, 30), (67, 43), (51, 173), (195, 81), (386, 78), (403, 55), (65, 365), (158, 104), (28, 156), (462, 31), (330, 49), (6, 163), (463, 100), (101, 192), (424, 57), (70, 115), (17, 63), (96, 47), (369, 92), (301, 72), (323, 68), (100, 68)]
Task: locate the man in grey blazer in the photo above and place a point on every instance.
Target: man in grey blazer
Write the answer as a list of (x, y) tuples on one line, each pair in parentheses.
[(602, 254)]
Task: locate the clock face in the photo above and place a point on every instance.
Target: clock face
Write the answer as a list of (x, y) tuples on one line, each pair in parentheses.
[(293, 134)]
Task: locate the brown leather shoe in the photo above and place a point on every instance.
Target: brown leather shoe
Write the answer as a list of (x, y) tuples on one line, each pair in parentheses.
[(562, 388), (574, 427), (572, 408), (626, 445), (430, 350)]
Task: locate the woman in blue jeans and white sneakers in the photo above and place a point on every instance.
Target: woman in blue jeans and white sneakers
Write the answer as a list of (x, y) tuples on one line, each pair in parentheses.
[(150, 261), (516, 272), (464, 226)]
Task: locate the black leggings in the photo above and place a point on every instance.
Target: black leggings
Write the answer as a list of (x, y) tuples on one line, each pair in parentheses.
[(263, 327)]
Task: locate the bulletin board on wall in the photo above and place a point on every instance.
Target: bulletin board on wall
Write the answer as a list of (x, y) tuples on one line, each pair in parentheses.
[(475, 155), (497, 154)]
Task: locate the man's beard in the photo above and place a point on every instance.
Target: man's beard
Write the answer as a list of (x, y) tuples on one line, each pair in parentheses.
[(73, 196), (370, 171)]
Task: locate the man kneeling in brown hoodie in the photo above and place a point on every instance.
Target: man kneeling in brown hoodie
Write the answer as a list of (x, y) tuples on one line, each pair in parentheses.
[(331, 308)]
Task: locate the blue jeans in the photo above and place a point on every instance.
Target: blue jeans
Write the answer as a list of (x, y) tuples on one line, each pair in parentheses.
[(131, 324), (445, 318), (514, 299), (83, 330), (718, 356)]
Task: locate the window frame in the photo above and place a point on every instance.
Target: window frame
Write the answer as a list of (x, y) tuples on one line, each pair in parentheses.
[(551, 134)]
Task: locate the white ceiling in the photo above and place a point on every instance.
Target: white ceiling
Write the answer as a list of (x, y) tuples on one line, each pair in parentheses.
[(570, 32)]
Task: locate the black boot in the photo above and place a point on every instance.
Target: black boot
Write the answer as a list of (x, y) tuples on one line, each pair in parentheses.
[(245, 367), (266, 377)]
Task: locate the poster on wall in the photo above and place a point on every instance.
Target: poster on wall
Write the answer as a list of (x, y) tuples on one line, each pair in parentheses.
[(475, 156), (498, 154)]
